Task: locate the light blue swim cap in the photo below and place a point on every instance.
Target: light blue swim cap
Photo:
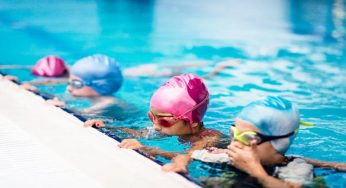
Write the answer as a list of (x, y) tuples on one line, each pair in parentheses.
[(273, 116), (100, 72)]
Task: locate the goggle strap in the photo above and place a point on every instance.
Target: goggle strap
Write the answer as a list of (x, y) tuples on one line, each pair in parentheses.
[(158, 116), (102, 80), (307, 124), (191, 130), (277, 137), (195, 107), (268, 138)]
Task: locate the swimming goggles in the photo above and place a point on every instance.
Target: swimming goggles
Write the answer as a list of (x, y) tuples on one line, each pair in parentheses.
[(163, 120), (247, 136), (77, 84), (170, 120)]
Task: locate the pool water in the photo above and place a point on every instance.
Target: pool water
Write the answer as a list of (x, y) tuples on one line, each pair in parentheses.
[(294, 49)]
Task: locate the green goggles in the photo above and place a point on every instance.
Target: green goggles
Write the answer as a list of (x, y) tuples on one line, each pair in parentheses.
[(247, 136)]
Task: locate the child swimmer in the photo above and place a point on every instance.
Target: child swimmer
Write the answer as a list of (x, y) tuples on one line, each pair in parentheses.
[(176, 109), (51, 69), (96, 78), (261, 135)]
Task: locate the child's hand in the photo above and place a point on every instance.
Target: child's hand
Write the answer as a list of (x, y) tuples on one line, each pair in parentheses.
[(10, 78), (179, 164), (29, 87), (174, 167), (94, 122), (244, 157), (215, 150), (55, 102), (130, 144)]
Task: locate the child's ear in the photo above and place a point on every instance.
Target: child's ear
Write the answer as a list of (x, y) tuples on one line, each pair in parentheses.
[(193, 125)]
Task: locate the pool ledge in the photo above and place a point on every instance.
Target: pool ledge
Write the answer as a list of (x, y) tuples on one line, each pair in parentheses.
[(44, 146)]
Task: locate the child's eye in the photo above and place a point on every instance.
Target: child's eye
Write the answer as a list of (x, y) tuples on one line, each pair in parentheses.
[(252, 137)]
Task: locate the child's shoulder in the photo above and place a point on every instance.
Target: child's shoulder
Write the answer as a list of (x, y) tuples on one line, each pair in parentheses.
[(209, 133)]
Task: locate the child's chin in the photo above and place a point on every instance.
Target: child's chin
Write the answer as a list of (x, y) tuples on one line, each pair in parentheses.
[(78, 95), (167, 134), (75, 94)]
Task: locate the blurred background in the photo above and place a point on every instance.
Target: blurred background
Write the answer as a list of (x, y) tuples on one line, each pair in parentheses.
[(292, 48)]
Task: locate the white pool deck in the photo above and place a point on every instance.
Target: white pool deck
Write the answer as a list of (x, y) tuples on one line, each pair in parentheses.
[(43, 146)]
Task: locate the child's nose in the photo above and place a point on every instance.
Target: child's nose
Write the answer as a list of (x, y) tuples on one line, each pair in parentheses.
[(69, 89), (156, 127)]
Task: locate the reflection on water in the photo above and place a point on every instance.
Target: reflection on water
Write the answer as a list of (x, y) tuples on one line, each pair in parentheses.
[(295, 49), (324, 18), (125, 28)]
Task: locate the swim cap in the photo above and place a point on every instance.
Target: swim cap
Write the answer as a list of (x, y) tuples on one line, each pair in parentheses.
[(185, 96), (100, 72), (273, 116), (49, 66)]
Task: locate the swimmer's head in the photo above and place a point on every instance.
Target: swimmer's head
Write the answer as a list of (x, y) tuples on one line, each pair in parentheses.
[(185, 97), (99, 72), (50, 66), (273, 116)]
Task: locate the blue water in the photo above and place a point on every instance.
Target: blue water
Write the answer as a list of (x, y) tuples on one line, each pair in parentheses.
[(295, 49)]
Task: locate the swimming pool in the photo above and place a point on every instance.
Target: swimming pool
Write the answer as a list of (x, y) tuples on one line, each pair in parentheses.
[(295, 49)]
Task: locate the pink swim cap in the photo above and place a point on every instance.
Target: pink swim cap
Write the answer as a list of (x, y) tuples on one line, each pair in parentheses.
[(49, 66), (185, 96)]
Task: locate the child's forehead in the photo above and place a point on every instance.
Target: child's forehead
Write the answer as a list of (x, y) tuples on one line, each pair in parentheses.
[(243, 126), (159, 112), (74, 77)]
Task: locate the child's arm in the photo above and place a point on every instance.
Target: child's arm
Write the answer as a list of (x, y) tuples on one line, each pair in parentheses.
[(9, 78), (180, 161), (27, 86), (51, 99), (220, 67), (50, 81), (246, 159), (56, 102), (330, 165), (15, 67), (132, 132), (150, 151)]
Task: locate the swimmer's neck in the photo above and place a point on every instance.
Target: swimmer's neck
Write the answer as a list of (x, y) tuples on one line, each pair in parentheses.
[(196, 132), (277, 159)]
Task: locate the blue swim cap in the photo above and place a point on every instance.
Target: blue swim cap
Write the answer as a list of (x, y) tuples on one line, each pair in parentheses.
[(100, 72), (273, 116)]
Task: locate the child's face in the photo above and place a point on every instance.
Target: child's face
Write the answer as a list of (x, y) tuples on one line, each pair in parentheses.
[(265, 150), (84, 91), (165, 123)]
